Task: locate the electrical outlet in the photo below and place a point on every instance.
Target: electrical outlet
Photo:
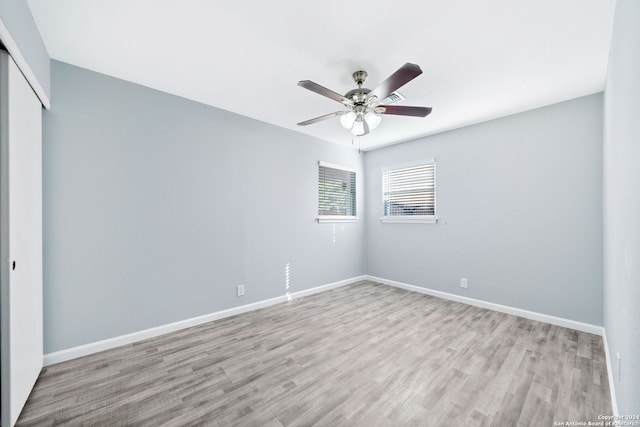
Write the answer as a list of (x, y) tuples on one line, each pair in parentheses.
[(240, 290), (463, 282), (618, 356)]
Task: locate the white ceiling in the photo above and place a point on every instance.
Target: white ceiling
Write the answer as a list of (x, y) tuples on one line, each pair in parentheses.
[(481, 59)]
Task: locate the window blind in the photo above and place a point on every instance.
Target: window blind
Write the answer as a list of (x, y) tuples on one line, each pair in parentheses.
[(336, 191), (410, 191)]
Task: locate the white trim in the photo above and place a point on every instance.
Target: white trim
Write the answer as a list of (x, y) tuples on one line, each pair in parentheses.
[(406, 165), (94, 347), (337, 218), (334, 166), (326, 287), (416, 219), (612, 390), (23, 65), (559, 321)]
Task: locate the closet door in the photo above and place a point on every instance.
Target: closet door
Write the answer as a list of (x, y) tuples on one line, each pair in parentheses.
[(20, 238)]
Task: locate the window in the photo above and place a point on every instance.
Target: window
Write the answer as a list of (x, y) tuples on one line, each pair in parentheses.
[(409, 192), (336, 193)]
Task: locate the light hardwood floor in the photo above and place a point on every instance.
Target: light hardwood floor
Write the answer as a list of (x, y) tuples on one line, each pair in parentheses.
[(361, 355)]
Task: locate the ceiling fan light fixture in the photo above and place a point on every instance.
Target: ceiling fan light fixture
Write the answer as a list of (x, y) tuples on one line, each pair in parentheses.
[(347, 120), (373, 120)]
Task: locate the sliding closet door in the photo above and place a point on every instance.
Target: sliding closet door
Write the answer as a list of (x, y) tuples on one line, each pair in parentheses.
[(21, 238)]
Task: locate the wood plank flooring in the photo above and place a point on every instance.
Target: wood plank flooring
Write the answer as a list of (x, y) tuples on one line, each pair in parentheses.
[(361, 355)]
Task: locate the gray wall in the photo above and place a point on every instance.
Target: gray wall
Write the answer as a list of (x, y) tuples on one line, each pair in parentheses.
[(622, 204), (519, 201), (156, 207), (16, 16)]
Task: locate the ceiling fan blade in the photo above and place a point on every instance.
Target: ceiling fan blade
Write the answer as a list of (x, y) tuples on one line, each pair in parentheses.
[(402, 76), (321, 118), (315, 87), (403, 110)]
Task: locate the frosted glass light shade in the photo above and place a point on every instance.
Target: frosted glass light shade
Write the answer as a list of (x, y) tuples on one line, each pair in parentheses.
[(373, 120), (347, 120), (358, 128)]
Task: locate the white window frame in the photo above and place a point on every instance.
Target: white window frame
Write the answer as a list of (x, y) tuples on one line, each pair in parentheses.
[(338, 218), (423, 219)]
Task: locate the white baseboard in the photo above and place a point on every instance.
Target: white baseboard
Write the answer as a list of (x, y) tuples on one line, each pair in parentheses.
[(94, 347), (612, 390), (559, 321)]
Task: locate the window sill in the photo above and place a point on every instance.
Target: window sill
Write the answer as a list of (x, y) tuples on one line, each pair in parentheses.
[(411, 219), (328, 218)]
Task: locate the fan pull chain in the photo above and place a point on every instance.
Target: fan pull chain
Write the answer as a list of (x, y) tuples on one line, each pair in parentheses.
[(353, 141)]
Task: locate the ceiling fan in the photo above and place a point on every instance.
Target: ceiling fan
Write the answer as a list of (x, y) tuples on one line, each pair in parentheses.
[(364, 105)]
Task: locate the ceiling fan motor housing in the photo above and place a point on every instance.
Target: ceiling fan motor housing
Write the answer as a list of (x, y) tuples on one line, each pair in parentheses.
[(358, 96)]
